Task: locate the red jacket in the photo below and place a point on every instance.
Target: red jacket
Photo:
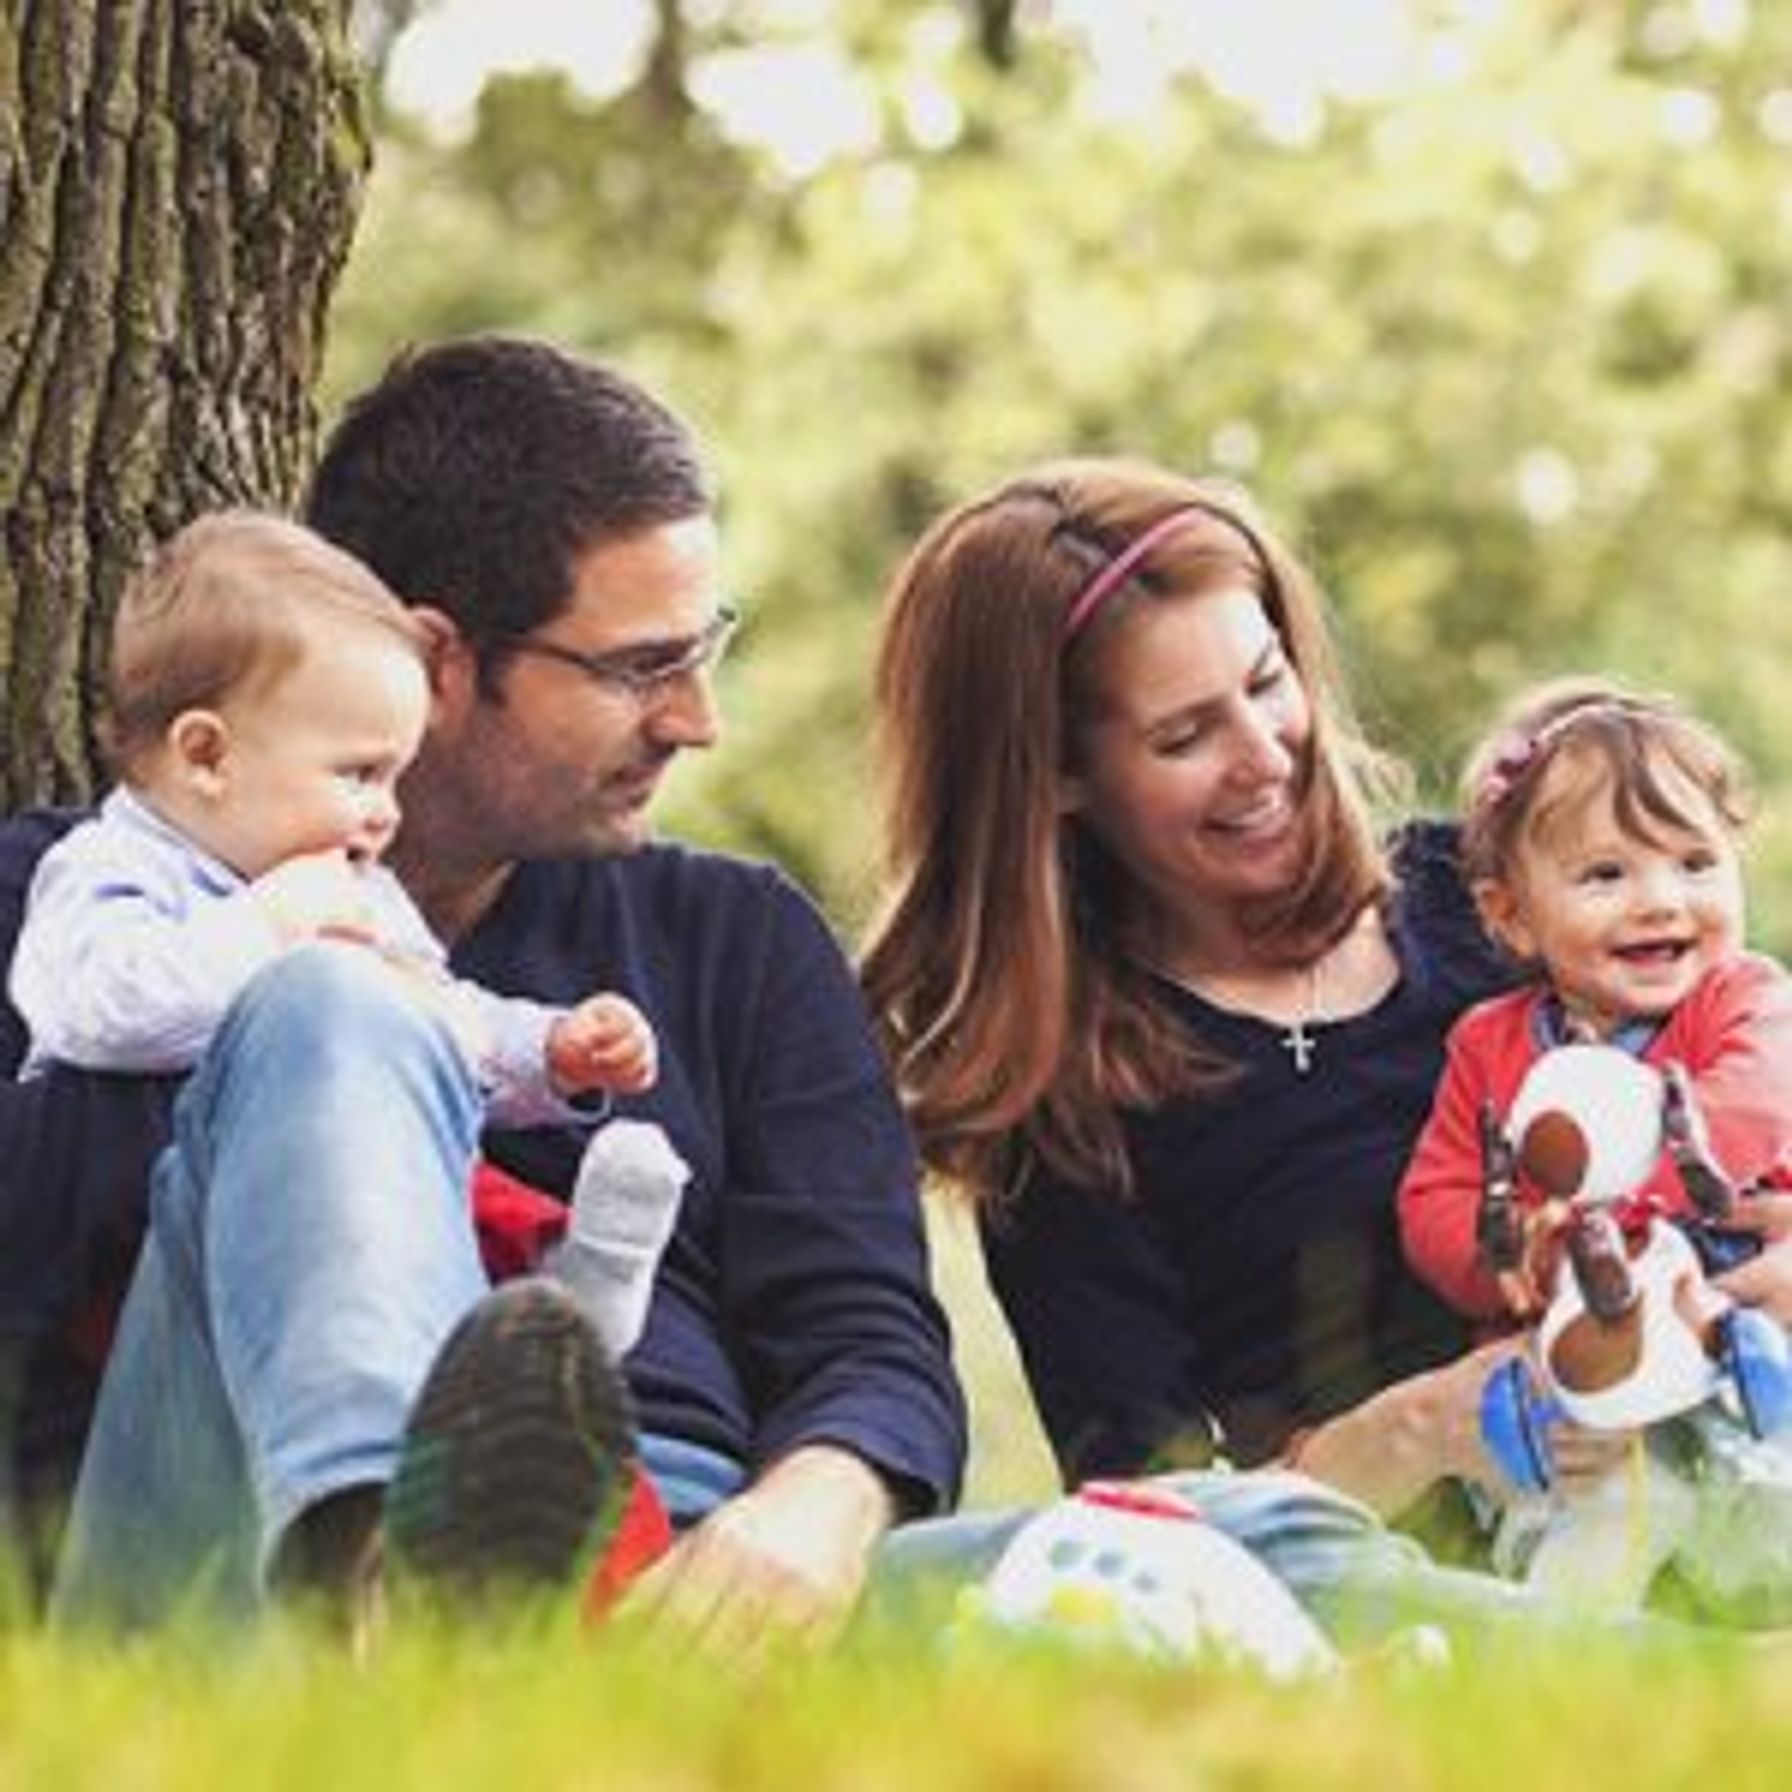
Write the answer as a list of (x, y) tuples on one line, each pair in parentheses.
[(1733, 1034)]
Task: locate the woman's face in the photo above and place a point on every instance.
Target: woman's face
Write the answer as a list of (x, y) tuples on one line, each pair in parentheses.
[(1191, 761)]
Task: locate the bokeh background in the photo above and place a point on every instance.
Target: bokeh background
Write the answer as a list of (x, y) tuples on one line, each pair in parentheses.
[(1485, 300)]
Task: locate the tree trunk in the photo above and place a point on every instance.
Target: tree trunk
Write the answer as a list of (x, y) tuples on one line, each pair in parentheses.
[(178, 186)]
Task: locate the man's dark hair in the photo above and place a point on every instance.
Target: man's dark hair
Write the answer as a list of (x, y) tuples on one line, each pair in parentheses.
[(476, 471)]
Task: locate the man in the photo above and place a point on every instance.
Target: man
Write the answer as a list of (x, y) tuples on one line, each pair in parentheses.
[(310, 1249)]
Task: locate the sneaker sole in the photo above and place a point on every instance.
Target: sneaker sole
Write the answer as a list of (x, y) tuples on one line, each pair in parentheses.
[(516, 1453)]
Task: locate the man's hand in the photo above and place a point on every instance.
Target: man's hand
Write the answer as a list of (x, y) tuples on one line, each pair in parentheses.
[(785, 1559), (603, 1043)]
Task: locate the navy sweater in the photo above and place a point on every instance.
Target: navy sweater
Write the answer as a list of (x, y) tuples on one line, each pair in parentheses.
[(1254, 1282), (793, 1305)]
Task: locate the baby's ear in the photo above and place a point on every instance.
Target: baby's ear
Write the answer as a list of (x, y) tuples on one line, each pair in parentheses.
[(1502, 914), (198, 740), (445, 648)]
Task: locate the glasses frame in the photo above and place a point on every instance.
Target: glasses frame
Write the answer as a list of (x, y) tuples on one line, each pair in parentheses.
[(615, 670)]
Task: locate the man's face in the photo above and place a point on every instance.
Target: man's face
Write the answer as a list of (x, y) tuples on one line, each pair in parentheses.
[(553, 759)]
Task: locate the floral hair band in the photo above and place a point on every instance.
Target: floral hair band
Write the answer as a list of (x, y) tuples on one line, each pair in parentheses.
[(1521, 751)]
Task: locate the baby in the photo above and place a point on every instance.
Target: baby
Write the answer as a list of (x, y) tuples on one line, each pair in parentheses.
[(265, 692)]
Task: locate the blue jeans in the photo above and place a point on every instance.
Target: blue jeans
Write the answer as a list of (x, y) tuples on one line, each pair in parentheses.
[(310, 1247)]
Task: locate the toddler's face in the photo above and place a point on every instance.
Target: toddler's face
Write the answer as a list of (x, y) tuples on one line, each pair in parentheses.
[(313, 764), (1624, 924)]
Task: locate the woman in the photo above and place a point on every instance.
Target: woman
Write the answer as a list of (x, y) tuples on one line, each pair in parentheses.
[(1163, 1003)]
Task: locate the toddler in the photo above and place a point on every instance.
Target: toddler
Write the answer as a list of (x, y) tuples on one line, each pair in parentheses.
[(1601, 839)]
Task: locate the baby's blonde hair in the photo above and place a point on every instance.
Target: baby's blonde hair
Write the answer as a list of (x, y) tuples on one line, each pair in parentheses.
[(226, 605), (1649, 750)]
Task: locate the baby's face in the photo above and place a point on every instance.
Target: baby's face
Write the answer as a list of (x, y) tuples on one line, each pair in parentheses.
[(1626, 924), (312, 765)]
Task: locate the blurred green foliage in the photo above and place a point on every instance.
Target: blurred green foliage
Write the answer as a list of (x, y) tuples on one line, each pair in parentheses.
[(1506, 353)]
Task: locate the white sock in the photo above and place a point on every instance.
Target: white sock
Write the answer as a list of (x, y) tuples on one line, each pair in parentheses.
[(625, 1202)]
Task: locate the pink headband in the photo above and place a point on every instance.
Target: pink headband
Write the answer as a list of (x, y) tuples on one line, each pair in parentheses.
[(1519, 753), (1115, 574)]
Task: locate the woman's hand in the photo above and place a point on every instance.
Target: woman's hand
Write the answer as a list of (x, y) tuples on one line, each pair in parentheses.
[(1764, 1281), (1398, 1444), (1580, 1457)]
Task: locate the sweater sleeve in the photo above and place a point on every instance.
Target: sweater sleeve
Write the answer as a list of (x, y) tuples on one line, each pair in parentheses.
[(1440, 1194), (116, 969), (823, 1258), (508, 1034)]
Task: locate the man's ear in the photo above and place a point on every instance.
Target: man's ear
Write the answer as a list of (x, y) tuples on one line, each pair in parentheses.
[(1503, 916), (1073, 793), (198, 744)]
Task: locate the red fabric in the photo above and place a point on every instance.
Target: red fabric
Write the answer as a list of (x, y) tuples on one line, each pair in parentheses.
[(90, 1331), (516, 1223), (1141, 1497), (1733, 1034), (643, 1534)]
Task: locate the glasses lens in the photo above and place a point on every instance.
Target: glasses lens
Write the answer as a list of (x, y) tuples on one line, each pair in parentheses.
[(646, 672)]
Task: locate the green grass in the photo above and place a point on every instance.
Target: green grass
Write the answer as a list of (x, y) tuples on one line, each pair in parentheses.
[(549, 1708)]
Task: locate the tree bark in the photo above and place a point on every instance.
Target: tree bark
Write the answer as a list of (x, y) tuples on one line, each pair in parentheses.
[(179, 181)]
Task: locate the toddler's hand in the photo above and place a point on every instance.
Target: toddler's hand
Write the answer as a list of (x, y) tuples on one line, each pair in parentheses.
[(604, 1043), (316, 895), (1529, 1287)]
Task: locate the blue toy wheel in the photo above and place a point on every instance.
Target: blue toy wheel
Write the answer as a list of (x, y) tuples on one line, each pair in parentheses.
[(1755, 1353), (1515, 1415)]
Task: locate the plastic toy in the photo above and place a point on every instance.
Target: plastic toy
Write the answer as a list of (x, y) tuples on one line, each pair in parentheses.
[(1133, 1565), (1632, 1331)]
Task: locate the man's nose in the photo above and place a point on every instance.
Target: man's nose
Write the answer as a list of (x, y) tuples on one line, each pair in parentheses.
[(687, 712)]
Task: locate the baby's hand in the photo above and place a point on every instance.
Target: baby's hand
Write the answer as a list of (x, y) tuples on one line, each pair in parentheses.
[(1528, 1288), (316, 895), (604, 1043)]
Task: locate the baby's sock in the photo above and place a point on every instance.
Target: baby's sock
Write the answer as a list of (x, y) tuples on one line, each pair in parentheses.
[(624, 1204)]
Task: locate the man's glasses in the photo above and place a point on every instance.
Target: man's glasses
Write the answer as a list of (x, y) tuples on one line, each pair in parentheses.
[(643, 673)]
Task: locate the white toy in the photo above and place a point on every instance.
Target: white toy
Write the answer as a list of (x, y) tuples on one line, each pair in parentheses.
[(1133, 1565), (1632, 1332)]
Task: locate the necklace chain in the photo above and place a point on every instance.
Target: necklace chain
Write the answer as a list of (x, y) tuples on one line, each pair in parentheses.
[(1299, 1041), (1297, 1036)]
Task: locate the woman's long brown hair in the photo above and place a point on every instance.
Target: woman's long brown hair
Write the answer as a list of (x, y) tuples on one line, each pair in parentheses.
[(1018, 1027)]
